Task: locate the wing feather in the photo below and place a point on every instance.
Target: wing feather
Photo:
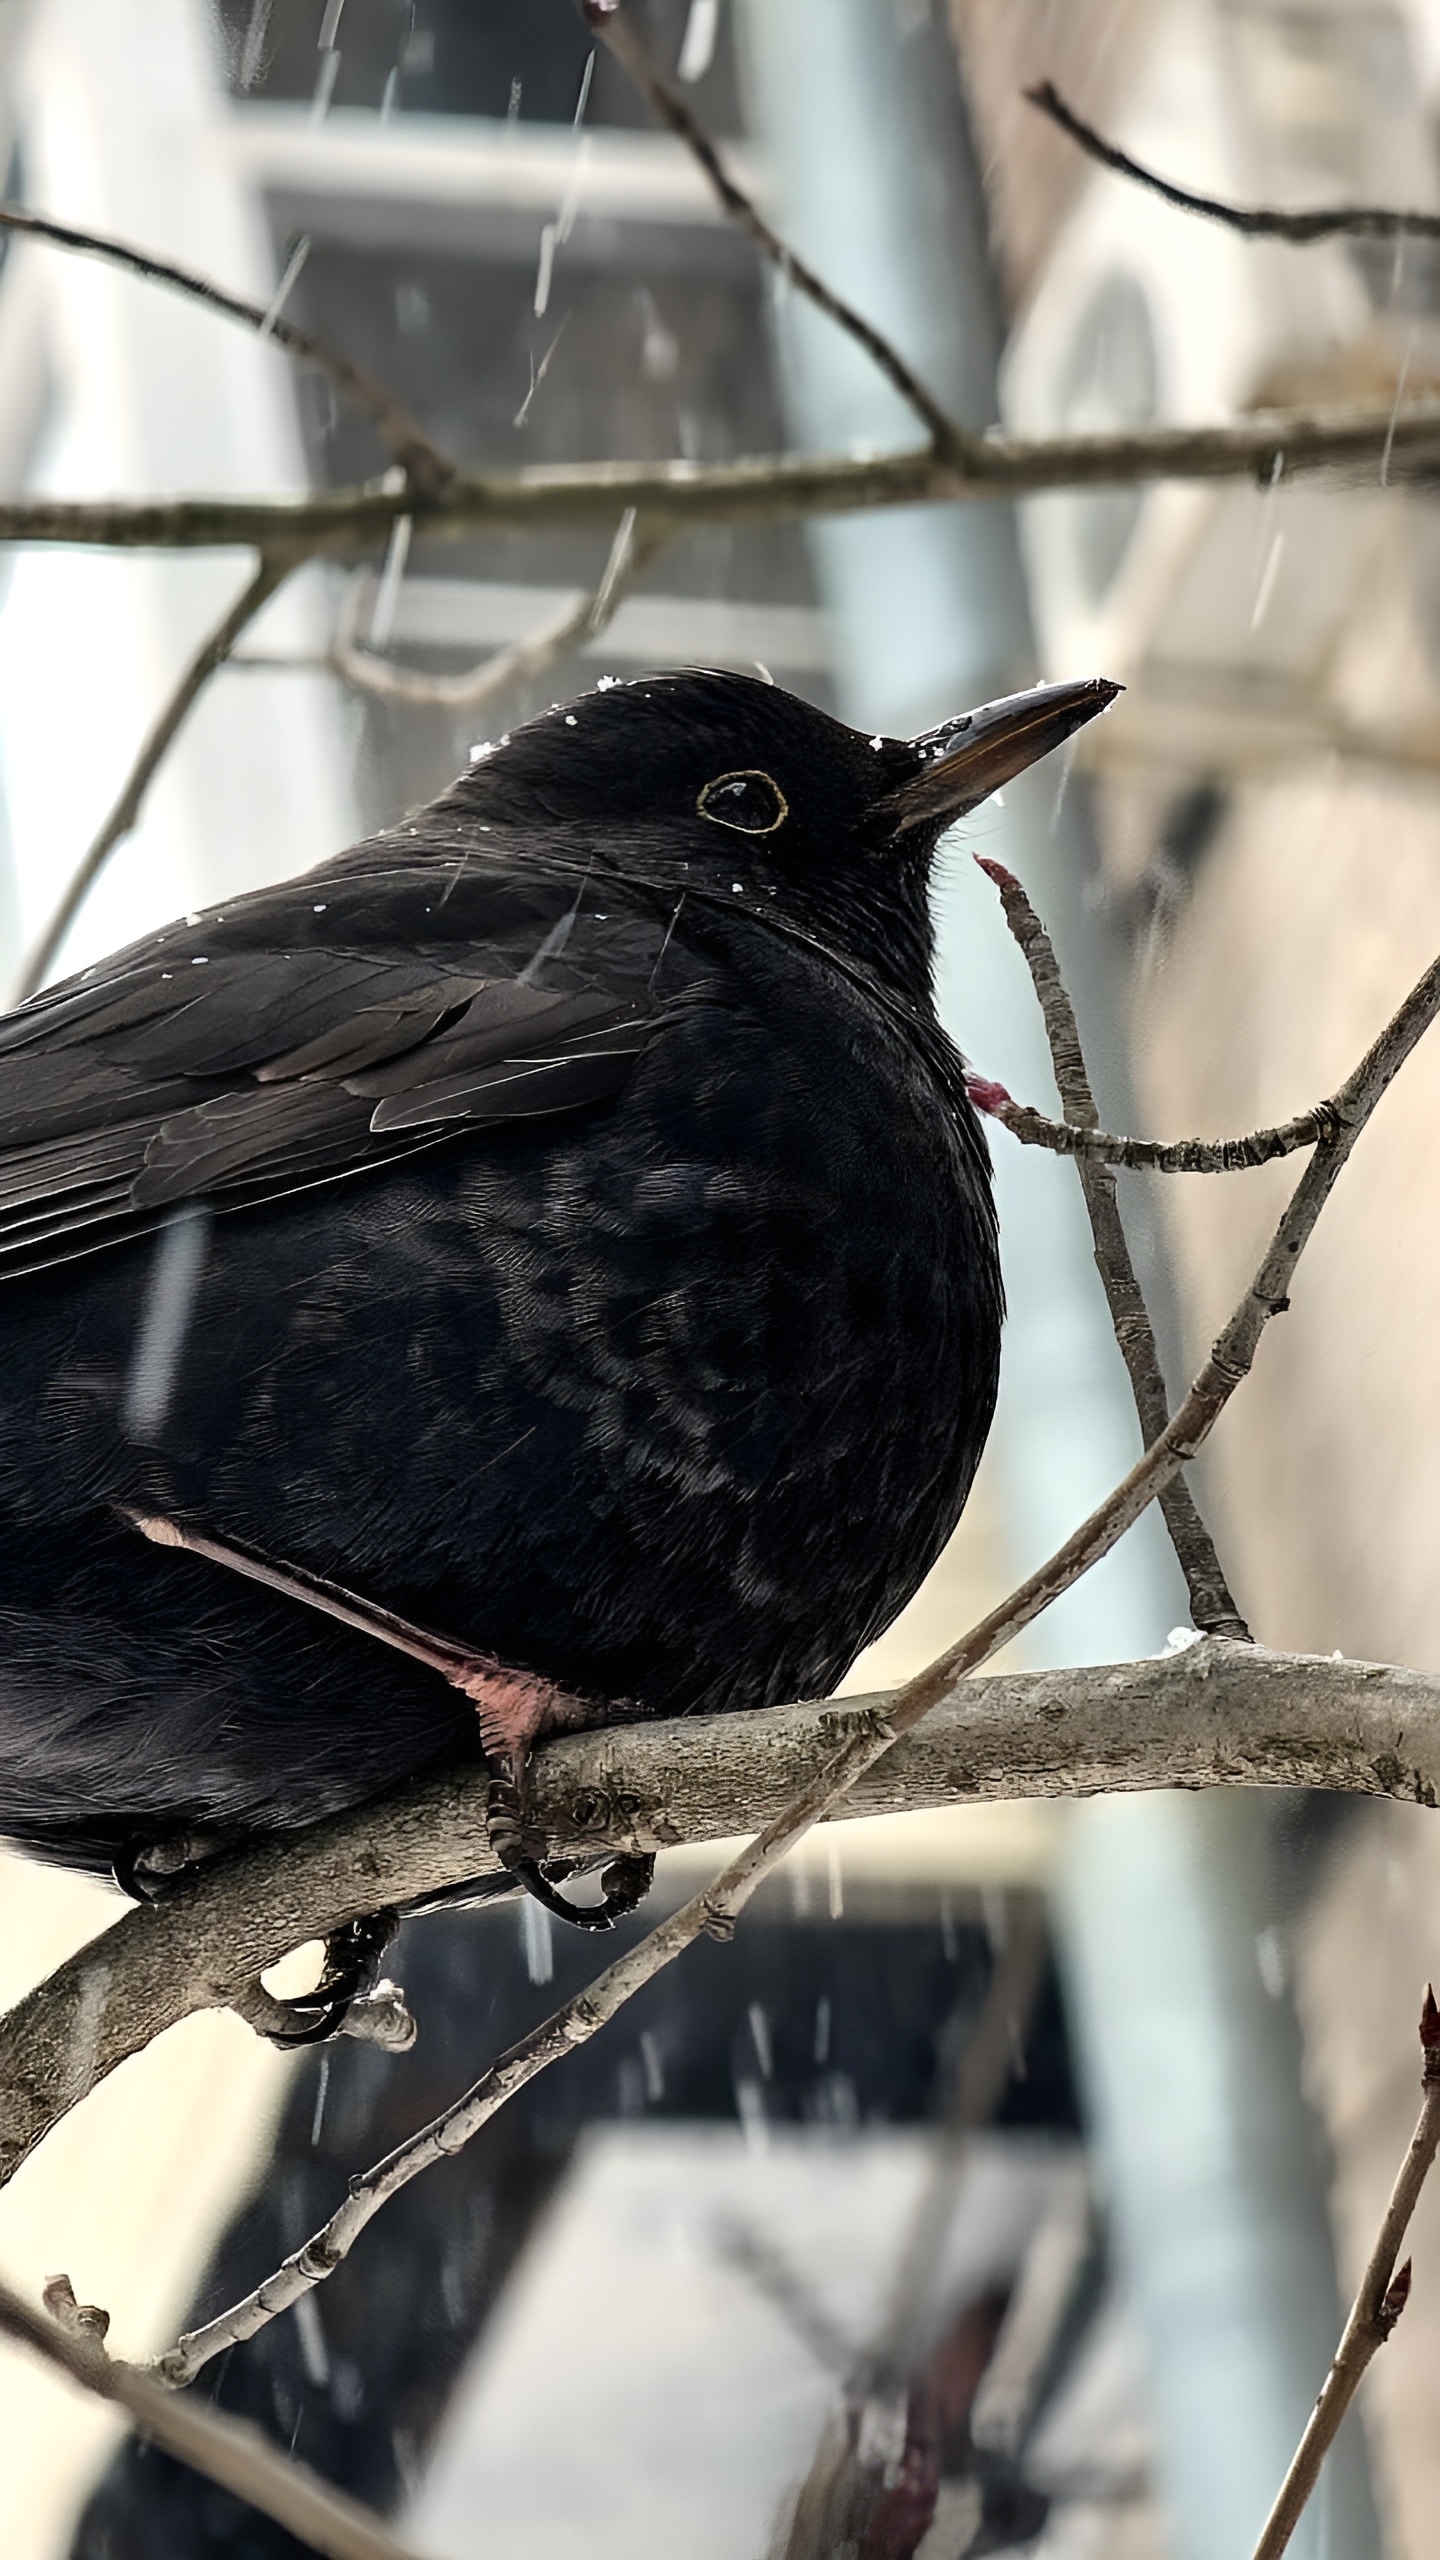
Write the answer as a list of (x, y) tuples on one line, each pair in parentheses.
[(291, 1039)]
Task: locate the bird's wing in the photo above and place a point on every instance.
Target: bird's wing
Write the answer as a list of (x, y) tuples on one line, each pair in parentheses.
[(293, 1037)]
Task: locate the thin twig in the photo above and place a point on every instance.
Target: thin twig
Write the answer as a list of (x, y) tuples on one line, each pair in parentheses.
[(1378, 2304), (868, 1734), (1150, 1155), (520, 661), (225, 2450), (1212, 1603), (271, 571), (1257, 222), (425, 466), (614, 31), (753, 488)]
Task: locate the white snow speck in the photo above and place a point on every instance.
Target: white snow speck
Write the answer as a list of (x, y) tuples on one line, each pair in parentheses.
[(877, 744), (193, 919), (319, 911), (570, 720), (199, 962), (737, 888)]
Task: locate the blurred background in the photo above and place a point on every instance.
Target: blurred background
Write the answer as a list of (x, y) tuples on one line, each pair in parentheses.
[(1032, 2143)]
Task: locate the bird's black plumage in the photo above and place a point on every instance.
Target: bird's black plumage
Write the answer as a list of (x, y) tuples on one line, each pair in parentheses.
[(559, 1218)]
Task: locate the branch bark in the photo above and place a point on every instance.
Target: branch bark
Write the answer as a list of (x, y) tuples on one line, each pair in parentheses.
[(1378, 2304), (424, 465), (1149, 1155), (755, 488), (605, 19), (1218, 1714), (630, 553), (1257, 222), (225, 2450)]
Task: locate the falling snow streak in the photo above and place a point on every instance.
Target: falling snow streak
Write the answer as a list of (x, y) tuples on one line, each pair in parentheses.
[(165, 1319)]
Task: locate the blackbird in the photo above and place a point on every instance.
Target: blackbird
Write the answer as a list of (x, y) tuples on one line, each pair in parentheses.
[(557, 1223)]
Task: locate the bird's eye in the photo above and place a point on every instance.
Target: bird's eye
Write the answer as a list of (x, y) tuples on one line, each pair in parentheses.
[(749, 802)]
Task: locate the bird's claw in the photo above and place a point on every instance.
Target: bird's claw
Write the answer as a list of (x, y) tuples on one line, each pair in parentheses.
[(624, 1882), (346, 1991), (148, 1870)]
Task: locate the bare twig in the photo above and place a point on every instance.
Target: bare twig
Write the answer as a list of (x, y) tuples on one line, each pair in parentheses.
[(614, 31), (1257, 222), (1150, 1155), (630, 553), (1381, 2298), (223, 2449), (754, 488), (1211, 1601), (865, 1733), (425, 466), (851, 2466), (270, 572)]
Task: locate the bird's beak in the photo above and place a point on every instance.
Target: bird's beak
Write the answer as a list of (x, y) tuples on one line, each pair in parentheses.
[(966, 759)]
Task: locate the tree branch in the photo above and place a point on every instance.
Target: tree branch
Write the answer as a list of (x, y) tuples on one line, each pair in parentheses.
[(1211, 1602), (754, 488), (425, 466), (1377, 2306), (271, 571), (1149, 1155), (223, 2449), (605, 19), (1257, 222), (1217, 1714), (630, 553)]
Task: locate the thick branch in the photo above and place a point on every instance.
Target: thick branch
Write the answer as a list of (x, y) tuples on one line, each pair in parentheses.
[(1257, 222), (1217, 1714), (614, 31), (1211, 1603), (755, 488), (1378, 2304), (223, 2449), (424, 465), (271, 572)]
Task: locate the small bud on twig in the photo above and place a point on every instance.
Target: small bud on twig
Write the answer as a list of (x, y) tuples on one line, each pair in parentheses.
[(1430, 2037), (1396, 2296)]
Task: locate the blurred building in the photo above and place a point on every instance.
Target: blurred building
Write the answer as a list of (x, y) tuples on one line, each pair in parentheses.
[(1268, 803)]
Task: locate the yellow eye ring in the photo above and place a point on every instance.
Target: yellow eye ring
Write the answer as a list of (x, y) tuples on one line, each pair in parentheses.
[(735, 785)]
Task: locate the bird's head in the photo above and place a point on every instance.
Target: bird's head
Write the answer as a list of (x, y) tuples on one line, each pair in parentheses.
[(730, 787)]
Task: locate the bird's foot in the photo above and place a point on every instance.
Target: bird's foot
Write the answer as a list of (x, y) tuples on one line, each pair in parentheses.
[(148, 1870), (512, 1708), (347, 1997), (347, 1988)]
